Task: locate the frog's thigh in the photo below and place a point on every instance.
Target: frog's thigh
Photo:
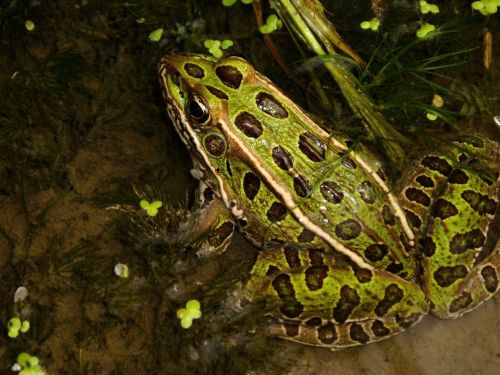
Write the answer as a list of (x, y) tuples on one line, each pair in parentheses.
[(324, 303)]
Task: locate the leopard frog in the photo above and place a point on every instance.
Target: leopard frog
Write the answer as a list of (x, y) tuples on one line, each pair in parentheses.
[(350, 259)]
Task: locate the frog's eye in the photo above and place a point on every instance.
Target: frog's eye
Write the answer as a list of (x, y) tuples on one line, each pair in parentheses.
[(197, 110)]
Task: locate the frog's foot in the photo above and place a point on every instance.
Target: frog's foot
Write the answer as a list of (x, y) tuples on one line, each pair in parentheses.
[(324, 302)]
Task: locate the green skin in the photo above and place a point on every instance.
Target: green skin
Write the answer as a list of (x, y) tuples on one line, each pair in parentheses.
[(362, 260)]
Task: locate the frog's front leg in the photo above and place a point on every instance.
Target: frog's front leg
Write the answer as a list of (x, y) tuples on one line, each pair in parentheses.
[(210, 226), (452, 199), (323, 302)]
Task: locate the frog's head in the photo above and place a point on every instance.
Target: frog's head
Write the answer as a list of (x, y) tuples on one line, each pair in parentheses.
[(200, 93), (197, 89)]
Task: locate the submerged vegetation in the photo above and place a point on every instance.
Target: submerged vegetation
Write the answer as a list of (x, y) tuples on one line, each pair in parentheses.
[(82, 121)]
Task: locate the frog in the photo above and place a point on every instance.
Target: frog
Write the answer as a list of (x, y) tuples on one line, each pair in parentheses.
[(348, 257)]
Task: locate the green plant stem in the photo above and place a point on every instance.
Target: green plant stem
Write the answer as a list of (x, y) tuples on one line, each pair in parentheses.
[(295, 13)]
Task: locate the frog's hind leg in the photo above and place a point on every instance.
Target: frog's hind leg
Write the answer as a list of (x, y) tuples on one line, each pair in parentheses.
[(452, 200), (324, 302)]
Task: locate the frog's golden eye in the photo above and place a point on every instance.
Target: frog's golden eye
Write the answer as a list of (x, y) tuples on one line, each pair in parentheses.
[(197, 110)]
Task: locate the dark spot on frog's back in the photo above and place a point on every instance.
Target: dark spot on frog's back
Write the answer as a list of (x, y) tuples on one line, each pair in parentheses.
[(331, 191), (301, 186), (376, 252), (282, 158), (194, 70), (480, 203), (248, 124), (312, 147), (461, 242), (276, 212), (229, 76), (251, 185), (270, 105), (348, 229)]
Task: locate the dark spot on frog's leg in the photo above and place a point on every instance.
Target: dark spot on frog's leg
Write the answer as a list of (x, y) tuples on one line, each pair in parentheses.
[(393, 294), (444, 209), (242, 223), (194, 70), (348, 301), (407, 322), (312, 147), (301, 186), (418, 196), (282, 158), (472, 140), (276, 212), (270, 105), (229, 76), (291, 329), (482, 204), (251, 185), (331, 191), (283, 286), (388, 215), (217, 93), (461, 242), (490, 277), (428, 247), (248, 124), (272, 270), (314, 277), (460, 303), (437, 164), (413, 219), (327, 334), (462, 158), (357, 333), (292, 257), (314, 322), (445, 276), (208, 195), (316, 257), (305, 236), (379, 329), (376, 252), (458, 176), (220, 234), (425, 181), (366, 192), (348, 229)]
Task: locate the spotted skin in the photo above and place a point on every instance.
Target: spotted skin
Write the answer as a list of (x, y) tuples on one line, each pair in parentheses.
[(349, 259)]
